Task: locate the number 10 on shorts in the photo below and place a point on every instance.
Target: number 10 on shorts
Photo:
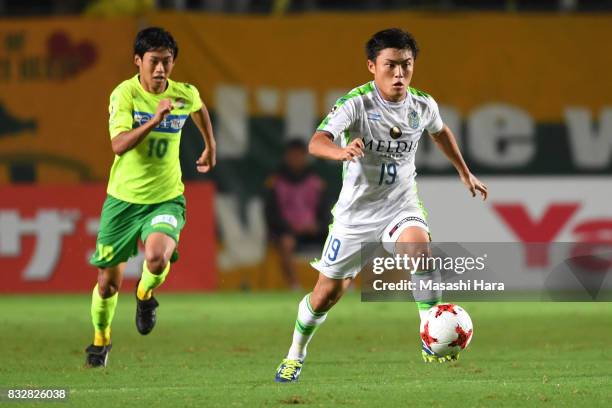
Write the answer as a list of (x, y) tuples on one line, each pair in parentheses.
[(333, 246)]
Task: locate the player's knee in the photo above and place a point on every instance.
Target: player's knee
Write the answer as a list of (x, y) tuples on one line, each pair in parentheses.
[(324, 298), (413, 242), (412, 249), (107, 286), (156, 262)]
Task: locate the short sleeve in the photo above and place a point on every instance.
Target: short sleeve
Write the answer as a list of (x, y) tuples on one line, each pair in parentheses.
[(339, 119), (435, 124), (196, 101), (120, 111)]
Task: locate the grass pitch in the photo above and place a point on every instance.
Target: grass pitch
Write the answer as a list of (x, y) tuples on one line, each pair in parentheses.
[(223, 349)]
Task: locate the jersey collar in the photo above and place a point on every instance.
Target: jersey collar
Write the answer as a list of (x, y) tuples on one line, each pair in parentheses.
[(160, 95), (390, 104)]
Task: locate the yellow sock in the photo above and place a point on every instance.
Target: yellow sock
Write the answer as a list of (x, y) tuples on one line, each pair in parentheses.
[(102, 337), (102, 312), (150, 281), (142, 293)]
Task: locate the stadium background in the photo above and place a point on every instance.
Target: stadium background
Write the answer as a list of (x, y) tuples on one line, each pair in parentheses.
[(525, 85), (526, 94)]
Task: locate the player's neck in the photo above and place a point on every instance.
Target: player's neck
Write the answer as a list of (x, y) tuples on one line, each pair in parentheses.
[(388, 98), (392, 99)]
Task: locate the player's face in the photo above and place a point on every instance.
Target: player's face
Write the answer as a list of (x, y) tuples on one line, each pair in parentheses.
[(392, 72), (155, 68)]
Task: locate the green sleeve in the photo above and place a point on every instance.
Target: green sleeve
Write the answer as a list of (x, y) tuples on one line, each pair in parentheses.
[(120, 111)]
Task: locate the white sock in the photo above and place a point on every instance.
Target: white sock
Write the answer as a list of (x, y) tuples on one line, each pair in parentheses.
[(305, 326), (426, 299)]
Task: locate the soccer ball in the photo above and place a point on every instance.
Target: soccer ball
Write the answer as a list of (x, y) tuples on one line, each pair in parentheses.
[(447, 329)]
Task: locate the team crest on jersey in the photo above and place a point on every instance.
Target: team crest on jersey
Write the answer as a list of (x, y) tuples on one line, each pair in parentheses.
[(395, 132), (413, 119)]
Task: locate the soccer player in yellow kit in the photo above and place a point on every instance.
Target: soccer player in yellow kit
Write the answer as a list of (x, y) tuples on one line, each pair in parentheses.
[(145, 192)]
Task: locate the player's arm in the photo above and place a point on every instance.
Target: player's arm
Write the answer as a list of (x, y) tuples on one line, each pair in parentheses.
[(208, 158), (127, 140), (446, 142), (322, 146), (333, 126)]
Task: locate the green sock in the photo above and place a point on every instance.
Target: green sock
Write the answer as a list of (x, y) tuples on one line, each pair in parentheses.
[(150, 281), (425, 306), (102, 312)]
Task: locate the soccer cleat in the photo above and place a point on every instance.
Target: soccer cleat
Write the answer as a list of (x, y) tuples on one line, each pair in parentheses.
[(288, 370), (430, 357), (146, 315), (97, 356)]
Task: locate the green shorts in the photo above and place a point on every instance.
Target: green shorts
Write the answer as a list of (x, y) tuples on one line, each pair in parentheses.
[(123, 223)]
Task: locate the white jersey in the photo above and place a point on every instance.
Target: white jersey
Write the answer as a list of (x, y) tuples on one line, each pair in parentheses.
[(379, 185)]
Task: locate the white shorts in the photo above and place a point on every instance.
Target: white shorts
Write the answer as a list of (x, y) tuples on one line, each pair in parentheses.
[(341, 257)]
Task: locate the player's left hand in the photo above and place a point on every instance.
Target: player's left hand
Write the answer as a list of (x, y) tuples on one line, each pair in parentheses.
[(473, 184), (207, 160)]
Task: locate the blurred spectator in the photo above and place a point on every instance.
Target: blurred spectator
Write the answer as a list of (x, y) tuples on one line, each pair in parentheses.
[(296, 207), (280, 7)]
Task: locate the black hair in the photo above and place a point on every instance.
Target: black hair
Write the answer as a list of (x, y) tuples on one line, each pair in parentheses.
[(296, 143), (153, 38), (390, 38)]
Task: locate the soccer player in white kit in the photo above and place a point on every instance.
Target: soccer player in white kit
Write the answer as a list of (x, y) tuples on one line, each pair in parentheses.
[(377, 126)]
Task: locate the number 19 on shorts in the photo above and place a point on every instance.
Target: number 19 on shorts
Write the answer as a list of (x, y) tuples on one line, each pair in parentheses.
[(331, 251)]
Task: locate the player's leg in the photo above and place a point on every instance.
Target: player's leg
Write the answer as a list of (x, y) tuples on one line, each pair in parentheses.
[(160, 233), (159, 248), (414, 242), (117, 241), (104, 301), (339, 264), (156, 266), (312, 312), (409, 235), (103, 304)]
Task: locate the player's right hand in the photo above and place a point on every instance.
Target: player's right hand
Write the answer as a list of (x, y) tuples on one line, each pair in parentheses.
[(353, 151), (163, 109)]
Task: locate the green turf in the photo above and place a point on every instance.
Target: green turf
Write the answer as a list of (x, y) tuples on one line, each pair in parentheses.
[(222, 350)]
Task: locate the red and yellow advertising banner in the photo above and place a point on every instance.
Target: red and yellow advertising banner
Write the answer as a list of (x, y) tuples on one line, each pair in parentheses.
[(55, 79), (49, 233)]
